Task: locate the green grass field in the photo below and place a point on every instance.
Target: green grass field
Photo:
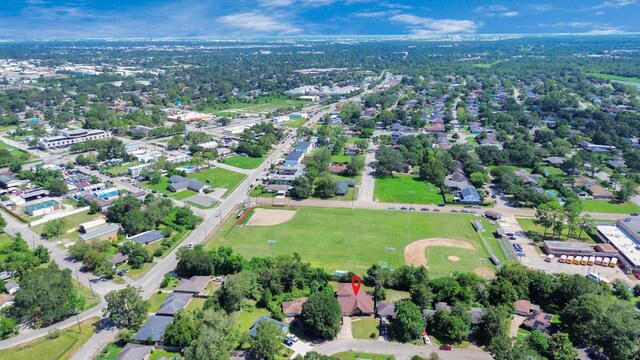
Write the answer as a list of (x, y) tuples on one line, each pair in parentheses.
[(244, 162), (339, 238), (615, 77), (121, 169), (398, 189), (14, 151), (217, 177), (71, 221), (156, 300), (62, 347), (529, 227), (263, 104), (365, 328), (248, 315), (603, 206)]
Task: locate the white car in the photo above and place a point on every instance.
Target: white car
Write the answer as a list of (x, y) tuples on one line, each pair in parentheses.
[(191, 245), (292, 337)]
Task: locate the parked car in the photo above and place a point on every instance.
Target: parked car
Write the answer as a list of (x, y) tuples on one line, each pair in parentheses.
[(512, 237), (634, 214), (424, 209), (445, 347), (441, 204), (288, 342), (436, 210), (464, 211), (637, 276), (191, 245), (391, 208), (426, 339), (521, 254), (455, 211), (403, 208), (292, 337)]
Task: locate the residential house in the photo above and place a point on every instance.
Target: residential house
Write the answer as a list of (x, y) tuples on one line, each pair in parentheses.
[(147, 237), (254, 328), (174, 303), (337, 169), (305, 147), (179, 183), (475, 313), (469, 195), (194, 285), (617, 164), (6, 300), (293, 308), (118, 259), (457, 181), (525, 177), (582, 181), (524, 307), (352, 304), (294, 158), (153, 329), (343, 187), (387, 311), (541, 321), (135, 352), (11, 287), (103, 204), (599, 192)]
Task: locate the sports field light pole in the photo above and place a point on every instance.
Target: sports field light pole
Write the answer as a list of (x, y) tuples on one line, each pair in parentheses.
[(389, 250), (411, 193), (271, 244), (483, 260)]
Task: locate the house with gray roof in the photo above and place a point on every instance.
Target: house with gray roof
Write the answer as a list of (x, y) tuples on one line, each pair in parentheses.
[(174, 303), (469, 195), (294, 158), (147, 237), (254, 328), (343, 187), (153, 329), (179, 183), (135, 352), (193, 285)]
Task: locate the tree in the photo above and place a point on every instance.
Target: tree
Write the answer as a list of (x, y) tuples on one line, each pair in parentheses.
[(185, 217), (42, 254), (267, 341), (181, 331), (478, 179), (3, 223), (194, 261), (355, 166), (94, 208), (126, 307), (235, 290), (421, 295), (326, 186), (626, 190), (561, 348), (138, 254), (46, 296), (217, 336), (449, 327), (538, 341), (388, 160), (7, 326), (408, 323), (321, 315), (54, 228), (492, 324), (543, 217), (621, 290), (301, 188), (57, 187)]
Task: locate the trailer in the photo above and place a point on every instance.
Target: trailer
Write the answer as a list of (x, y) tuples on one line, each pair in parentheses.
[(598, 260), (569, 259), (592, 260), (577, 260), (613, 262), (605, 262), (549, 258), (562, 259)]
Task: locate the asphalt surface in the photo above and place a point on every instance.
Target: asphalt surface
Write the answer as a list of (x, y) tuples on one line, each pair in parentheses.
[(400, 351)]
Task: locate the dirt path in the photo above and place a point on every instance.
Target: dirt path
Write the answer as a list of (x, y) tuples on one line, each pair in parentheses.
[(414, 253), (269, 217)]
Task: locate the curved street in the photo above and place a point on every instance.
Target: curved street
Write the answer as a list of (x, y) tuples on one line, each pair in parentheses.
[(400, 351)]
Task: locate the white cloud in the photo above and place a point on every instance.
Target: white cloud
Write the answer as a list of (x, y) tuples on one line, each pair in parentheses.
[(298, 3), (541, 7), (495, 10), (251, 23), (374, 14), (426, 26), (612, 4)]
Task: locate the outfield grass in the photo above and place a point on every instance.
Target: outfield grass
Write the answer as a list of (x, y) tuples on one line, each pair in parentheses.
[(263, 104), (365, 328), (62, 347), (339, 238), (71, 222), (244, 162), (217, 177), (397, 189), (615, 77), (602, 206)]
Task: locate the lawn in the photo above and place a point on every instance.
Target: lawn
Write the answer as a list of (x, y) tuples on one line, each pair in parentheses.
[(121, 169), (61, 347), (194, 304), (90, 300), (615, 77), (248, 315), (244, 162), (339, 238), (365, 328), (14, 151), (110, 352), (398, 189), (156, 300), (258, 191), (5, 239), (71, 222), (217, 177), (602, 206), (356, 355), (159, 353), (265, 104), (529, 227)]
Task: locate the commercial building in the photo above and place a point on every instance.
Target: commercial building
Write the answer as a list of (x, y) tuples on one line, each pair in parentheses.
[(106, 233), (568, 248), (70, 137), (92, 225), (42, 208), (625, 237), (147, 237)]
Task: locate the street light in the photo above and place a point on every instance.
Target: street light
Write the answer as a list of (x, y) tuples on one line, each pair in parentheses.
[(389, 250), (271, 243)]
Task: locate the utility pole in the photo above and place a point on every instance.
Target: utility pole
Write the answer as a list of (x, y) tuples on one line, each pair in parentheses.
[(271, 244)]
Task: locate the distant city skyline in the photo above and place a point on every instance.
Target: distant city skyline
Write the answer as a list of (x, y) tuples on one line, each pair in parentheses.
[(51, 19)]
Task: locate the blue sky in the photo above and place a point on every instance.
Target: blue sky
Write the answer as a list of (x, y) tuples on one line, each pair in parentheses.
[(221, 18)]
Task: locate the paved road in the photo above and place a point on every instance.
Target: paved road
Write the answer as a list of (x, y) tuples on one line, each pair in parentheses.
[(400, 351), (368, 181)]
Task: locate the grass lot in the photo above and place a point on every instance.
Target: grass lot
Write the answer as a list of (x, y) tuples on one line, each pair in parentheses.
[(602, 206), (615, 77), (61, 347), (339, 239), (218, 177), (72, 222), (90, 300), (365, 328), (159, 353), (244, 162), (14, 151), (529, 227), (261, 105), (121, 169), (194, 304), (397, 190), (355, 355), (110, 352), (258, 191), (248, 315), (554, 170), (156, 300), (296, 124), (5, 239)]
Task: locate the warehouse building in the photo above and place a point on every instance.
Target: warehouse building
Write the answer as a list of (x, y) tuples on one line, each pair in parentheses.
[(625, 238), (42, 208), (568, 248)]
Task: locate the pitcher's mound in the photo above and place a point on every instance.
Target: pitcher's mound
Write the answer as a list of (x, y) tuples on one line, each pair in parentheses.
[(270, 217), (414, 253), (453, 258)]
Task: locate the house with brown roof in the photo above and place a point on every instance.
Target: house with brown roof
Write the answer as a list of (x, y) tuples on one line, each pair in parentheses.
[(194, 285), (599, 192), (524, 307), (352, 304), (6, 300), (539, 320), (293, 308)]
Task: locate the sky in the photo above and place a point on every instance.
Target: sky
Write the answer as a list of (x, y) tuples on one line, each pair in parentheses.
[(81, 19)]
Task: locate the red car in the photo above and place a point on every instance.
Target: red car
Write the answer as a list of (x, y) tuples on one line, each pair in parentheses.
[(637, 276), (446, 347)]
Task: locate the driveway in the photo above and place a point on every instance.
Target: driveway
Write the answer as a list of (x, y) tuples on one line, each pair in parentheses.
[(400, 351), (300, 347), (345, 330)]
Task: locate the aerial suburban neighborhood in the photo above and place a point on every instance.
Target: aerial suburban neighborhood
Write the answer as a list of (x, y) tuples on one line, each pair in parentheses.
[(437, 196)]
